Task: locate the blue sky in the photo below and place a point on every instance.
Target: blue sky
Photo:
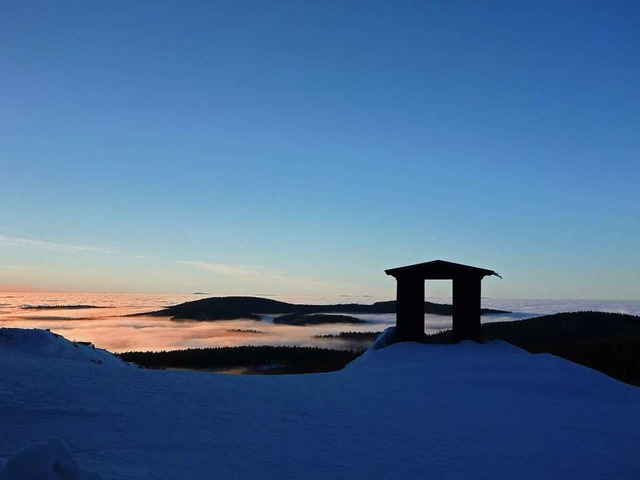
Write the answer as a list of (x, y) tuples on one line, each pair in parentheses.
[(304, 147)]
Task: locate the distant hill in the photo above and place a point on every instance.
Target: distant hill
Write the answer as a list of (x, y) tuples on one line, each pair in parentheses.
[(225, 308), (561, 329), (58, 307), (569, 327), (315, 319)]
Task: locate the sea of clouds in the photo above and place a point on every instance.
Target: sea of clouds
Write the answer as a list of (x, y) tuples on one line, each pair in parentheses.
[(109, 328)]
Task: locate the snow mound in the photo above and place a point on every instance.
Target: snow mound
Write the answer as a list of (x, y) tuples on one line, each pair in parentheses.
[(48, 460), (47, 344), (408, 353), (385, 339)]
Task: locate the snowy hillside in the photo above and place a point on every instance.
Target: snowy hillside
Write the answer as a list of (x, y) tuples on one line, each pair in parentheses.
[(43, 343), (405, 411)]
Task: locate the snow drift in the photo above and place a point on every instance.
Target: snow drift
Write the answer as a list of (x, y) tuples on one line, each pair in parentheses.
[(47, 344), (48, 460)]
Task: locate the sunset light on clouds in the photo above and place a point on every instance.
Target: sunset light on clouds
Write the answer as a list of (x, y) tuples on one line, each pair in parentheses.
[(303, 148)]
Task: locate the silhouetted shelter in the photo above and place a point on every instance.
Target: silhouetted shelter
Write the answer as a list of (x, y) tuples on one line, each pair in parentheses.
[(411, 298)]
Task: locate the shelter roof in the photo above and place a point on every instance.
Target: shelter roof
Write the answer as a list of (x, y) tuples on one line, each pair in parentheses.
[(439, 270)]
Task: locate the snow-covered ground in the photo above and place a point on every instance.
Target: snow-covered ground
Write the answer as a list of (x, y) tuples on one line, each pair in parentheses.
[(406, 411)]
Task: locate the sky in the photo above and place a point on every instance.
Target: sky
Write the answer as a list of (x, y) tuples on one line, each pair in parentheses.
[(240, 147)]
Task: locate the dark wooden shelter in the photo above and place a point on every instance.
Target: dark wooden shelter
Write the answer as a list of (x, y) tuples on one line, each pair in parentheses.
[(411, 298)]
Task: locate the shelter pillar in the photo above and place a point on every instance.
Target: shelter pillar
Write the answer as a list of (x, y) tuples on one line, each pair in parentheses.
[(466, 309), (410, 309)]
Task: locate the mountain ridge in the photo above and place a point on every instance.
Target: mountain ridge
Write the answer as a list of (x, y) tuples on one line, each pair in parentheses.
[(231, 307)]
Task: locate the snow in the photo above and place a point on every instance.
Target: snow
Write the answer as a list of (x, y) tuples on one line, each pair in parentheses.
[(489, 411), (49, 460), (47, 344)]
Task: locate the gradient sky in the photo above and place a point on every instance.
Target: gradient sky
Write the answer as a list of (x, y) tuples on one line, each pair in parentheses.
[(239, 147)]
